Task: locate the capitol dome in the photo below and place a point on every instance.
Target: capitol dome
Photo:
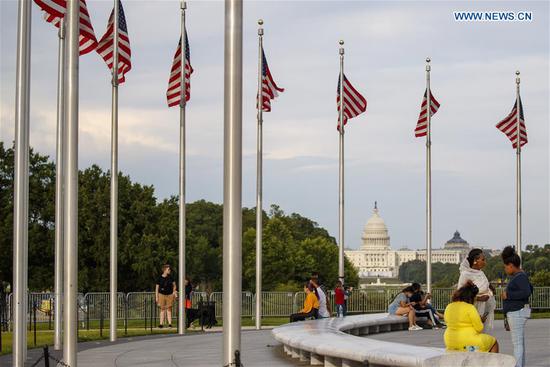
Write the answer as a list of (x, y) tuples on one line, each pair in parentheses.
[(375, 234)]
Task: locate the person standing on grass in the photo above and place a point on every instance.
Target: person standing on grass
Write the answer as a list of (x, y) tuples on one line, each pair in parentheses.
[(515, 302), (165, 294), (339, 299)]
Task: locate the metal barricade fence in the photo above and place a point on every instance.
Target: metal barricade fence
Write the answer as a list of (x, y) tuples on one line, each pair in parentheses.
[(197, 297), (377, 299), (540, 298), (97, 305), (358, 301), (138, 304), (247, 303), (441, 297), (276, 304), (44, 303), (498, 298)]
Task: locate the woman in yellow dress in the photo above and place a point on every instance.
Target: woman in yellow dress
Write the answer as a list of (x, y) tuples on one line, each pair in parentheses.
[(464, 326)]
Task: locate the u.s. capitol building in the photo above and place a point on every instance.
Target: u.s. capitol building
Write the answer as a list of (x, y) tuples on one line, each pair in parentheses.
[(375, 258)]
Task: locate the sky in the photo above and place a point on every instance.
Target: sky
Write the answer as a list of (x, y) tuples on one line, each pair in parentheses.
[(386, 44)]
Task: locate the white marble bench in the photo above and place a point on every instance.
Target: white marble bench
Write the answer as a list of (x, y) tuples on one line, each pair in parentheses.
[(334, 342)]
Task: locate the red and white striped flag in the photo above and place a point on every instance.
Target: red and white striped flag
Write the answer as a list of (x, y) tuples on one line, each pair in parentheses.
[(510, 128), (270, 90), (106, 45), (173, 95), (422, 124), (354, 103), (54, 12)]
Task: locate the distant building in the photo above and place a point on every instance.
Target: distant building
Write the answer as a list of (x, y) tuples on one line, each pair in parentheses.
[(457, 243), (375, 258)]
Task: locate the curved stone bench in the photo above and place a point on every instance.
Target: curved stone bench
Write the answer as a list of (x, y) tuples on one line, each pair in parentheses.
[(334, 342)]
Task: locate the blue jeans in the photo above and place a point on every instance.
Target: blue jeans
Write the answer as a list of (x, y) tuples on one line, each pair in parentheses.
[(339, 310), (517, 321)]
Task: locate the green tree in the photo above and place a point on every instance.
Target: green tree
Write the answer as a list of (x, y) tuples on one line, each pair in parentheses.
[(541, 278), (293, 245), (279, 255), (443, 275), (41, 217)]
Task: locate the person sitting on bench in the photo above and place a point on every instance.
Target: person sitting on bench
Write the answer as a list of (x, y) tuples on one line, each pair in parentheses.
[(311, 305), (423, 308)]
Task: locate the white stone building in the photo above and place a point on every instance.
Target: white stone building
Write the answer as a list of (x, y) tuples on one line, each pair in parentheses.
[(375, 258)]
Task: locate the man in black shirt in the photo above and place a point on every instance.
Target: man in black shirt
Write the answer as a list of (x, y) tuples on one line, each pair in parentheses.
[(165, 293)]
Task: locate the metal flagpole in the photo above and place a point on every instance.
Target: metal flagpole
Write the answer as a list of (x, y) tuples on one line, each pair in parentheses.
[(428, 181), (181, 247), (70, 181), (58, 322), (259, 183), (232, 204), (518, 168), (114, 183), (341, 171), (21, 183)]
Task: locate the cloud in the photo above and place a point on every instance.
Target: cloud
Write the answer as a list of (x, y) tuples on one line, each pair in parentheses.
[(386, 44)]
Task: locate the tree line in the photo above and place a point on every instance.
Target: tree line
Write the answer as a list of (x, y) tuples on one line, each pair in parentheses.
[(293, 246), (535, 262)]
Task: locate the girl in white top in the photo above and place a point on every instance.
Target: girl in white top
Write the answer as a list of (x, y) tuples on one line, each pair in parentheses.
[(323, 305), (470, 270)]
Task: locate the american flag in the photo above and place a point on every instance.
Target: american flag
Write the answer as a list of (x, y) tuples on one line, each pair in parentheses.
[(270, 90), (422, 124), (510, 128), (106, 45), (54, 12), (354, 103), (173, 95)]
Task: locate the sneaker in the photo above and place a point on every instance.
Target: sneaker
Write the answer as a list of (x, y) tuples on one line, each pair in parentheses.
[(160, 326), (415, 328), (170, 326)]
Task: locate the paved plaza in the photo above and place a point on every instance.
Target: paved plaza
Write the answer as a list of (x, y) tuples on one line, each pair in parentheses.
[(537, 333), (260, 349)]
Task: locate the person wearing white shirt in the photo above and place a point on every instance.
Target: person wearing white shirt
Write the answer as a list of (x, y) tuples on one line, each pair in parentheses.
[(324, 307)]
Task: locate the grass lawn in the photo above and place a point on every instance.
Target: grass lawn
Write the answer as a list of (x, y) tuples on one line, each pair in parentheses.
[(44, 336), (534, 315)]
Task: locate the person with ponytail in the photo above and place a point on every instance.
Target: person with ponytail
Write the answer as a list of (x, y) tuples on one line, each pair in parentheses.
[(515, 302), (471, 270)]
